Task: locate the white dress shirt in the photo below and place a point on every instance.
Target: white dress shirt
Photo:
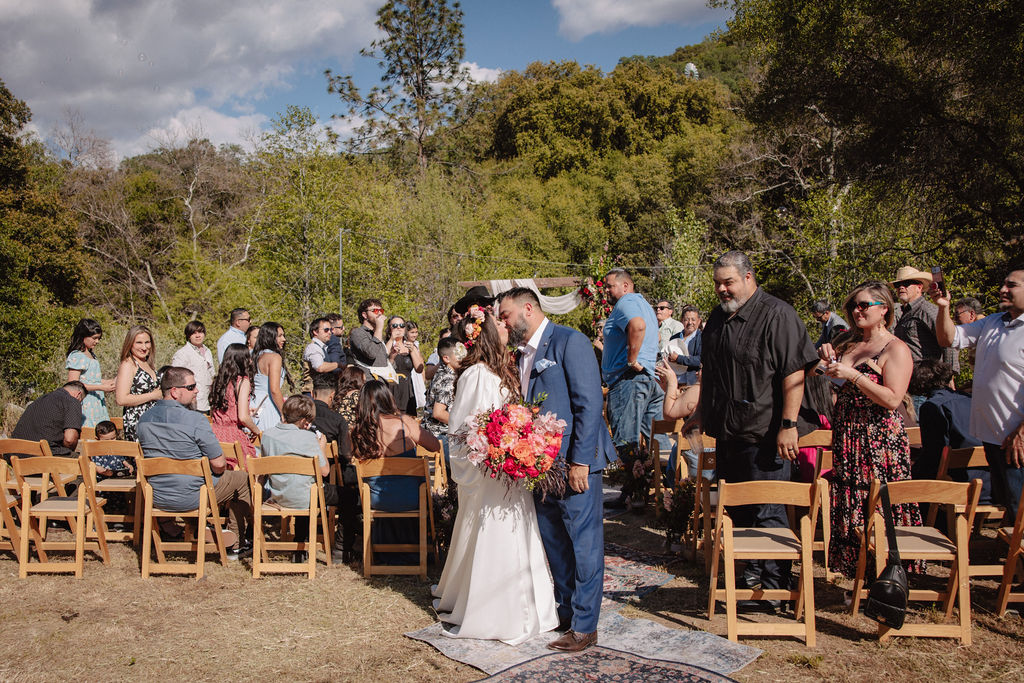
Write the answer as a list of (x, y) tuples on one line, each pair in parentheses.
[(529, 355)]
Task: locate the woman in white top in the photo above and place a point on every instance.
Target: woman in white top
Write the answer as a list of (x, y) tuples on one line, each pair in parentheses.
[(197, 358)]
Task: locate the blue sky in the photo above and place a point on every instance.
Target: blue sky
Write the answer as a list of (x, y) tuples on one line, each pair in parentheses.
[(145, 72)]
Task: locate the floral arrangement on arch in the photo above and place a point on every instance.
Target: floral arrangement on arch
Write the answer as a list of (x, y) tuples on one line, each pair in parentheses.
[(591, 289), (472, 330), (518, 445)]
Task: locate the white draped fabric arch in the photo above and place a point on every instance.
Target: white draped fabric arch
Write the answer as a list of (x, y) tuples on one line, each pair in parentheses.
[(548, 304)]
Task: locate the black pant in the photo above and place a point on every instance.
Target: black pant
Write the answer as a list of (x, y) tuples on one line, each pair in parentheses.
[(1007, 480), (738, 461), (346, 499)]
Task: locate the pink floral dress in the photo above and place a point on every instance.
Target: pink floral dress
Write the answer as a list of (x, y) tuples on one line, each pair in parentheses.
[(868, 442)]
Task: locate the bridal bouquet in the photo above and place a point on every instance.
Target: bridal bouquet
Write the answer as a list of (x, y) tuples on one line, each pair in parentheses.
[(518, 445)]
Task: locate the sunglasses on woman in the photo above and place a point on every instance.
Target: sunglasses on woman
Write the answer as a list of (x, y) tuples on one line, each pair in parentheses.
[(397, 326), (865, 305)]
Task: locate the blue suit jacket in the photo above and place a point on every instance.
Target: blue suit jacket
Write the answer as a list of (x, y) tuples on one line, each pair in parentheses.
[(566, 369), (692, 362)]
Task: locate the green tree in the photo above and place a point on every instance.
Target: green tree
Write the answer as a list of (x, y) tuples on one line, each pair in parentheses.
[(420, 55)]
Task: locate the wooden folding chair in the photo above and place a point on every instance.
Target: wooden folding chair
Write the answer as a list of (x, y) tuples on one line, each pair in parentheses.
[(33, 449), (821, 439), (87, 434), (732, 544), (289, 464), (128, 487), (10, 532), (705, 502), (119, 424), (414, 467), (673, 429), (207, 510), (233, 449), (78, 509), (1012, 537), (439, 484), (914, 436), (923, 543)]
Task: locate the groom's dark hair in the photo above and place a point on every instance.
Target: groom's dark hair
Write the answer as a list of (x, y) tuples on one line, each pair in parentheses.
[(518, 294)]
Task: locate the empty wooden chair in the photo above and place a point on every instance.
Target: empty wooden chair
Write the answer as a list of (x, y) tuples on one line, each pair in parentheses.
[(731, 544), (79, 509), (821, 440), (206, 511), (1015, 553), (705, 503), (923, 543), (126, 486), (415, 467), (317, 510), (33, 449), (10, 532)]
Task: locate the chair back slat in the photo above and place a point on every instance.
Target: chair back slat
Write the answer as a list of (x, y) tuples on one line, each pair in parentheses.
[(667, 426), (124, 449), (87, 434), (33, 466), (283, 464), (414, 467), (929, 491), (914, 436), (424, 452), (152, 467), (961, 458), (819, 437), (761, 492), (24, 448)]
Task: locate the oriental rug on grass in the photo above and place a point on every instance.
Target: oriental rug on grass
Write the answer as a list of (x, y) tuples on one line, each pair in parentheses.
[(603, 664)]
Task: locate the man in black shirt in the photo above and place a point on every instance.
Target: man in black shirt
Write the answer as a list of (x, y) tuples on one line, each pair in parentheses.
[(56, 418), (755, 353), (335, 429)]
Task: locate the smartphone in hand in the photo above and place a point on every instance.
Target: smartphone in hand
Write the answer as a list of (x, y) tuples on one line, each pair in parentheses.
[(939, 280)]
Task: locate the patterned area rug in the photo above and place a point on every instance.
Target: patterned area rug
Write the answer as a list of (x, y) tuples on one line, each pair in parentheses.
[(630, 574), (603, 664), (640, 637)]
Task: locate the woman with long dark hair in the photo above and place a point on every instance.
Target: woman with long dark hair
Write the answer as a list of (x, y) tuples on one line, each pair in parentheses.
[(382, 431), (82, 365), (136, 387), (229, 399), (869, 440), (268, 399), (346, 396), (496, 530)]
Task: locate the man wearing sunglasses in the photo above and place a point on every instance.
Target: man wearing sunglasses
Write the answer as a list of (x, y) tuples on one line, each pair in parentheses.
[(336, 342), (367, 341), (668, 326), (170, 430), (314, 357)]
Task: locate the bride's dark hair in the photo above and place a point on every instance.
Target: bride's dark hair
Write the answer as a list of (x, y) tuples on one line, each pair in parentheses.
[(489, 350)]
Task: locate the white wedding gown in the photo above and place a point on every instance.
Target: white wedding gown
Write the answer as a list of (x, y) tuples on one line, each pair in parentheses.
[(495, 584)]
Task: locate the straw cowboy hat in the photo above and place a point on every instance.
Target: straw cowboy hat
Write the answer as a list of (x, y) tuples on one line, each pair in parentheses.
[(911, 273)]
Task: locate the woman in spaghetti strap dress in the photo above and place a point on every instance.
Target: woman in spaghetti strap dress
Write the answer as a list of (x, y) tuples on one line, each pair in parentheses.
[(268, 399), (229, 400), (82, 366), (382, 431), (872, 368), (136, 386)]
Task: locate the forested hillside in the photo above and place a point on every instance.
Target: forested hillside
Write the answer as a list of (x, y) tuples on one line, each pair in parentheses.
[(825, 166)]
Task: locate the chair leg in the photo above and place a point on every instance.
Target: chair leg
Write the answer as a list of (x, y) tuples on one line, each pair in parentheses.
[(423, 531), (963, 580), (826, 524), (327, 522), (806, 597), (201, 535), (858, 581), (732, 625), (29, 525), (257, 538), (314, 506), (1006, 585), (80, 536), (712, 546), (147, 536)]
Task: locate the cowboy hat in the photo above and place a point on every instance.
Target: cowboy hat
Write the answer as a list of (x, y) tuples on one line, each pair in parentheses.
[(911, 273), (476, 295)]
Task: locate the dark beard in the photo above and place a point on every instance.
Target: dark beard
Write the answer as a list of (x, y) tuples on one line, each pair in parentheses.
[(517, 333)]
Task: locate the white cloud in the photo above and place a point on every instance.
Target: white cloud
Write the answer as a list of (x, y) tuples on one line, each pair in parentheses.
[(581, 18), (195, 122), (481, 74), (132, 67)]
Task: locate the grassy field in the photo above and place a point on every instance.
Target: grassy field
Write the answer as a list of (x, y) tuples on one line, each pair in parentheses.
[(112, 625)]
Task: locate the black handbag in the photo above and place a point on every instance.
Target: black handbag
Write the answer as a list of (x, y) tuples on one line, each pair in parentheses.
[(887, 599)]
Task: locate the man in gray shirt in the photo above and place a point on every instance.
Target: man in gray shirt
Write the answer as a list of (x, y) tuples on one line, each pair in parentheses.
[(367, 341), (170, 430)]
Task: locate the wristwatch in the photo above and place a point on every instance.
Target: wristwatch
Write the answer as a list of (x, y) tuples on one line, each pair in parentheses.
[(788, 424)]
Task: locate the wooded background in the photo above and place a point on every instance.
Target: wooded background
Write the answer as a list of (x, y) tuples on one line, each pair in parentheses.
[(832, 142)]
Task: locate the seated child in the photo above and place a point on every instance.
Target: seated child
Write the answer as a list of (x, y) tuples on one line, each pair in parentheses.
[(111, 465), (292, 437)]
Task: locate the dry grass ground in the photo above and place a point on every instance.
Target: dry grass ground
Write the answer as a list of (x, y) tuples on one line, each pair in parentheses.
[(112, 625)]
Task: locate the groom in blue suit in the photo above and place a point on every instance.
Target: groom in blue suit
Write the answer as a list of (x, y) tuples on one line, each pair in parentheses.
[(559, 361)]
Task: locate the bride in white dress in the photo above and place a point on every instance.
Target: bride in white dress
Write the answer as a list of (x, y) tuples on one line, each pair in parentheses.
[(495, 584)]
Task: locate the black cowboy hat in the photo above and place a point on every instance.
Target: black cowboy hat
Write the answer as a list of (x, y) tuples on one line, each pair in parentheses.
[(476, 295)]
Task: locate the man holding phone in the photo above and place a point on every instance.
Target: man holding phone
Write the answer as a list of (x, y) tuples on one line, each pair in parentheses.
[(627, 366)]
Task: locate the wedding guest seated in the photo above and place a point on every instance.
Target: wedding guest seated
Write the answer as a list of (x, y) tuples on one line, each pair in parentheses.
[(56, 418), (230, 415), (944, 419), (291, 436), (335, 429), (680, 402), (170, 430), (346, 395), (111, 465), (381, 431)]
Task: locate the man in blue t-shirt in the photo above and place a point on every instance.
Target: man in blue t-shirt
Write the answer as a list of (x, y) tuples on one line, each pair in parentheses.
[(627, 365)]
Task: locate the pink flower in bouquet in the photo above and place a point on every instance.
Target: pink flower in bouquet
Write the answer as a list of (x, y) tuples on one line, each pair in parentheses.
[(638, 469), (477, 442), (667, 500), (496, 454), (519, 416), (510, 467), (495, 430), (532, 472)]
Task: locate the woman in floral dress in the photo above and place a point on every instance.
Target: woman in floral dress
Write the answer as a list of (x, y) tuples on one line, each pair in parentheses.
[(872, 368), (136, 387), (83, 366)]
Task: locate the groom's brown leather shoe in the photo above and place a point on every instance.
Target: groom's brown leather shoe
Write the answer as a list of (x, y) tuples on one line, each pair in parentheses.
[(573, 641)]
